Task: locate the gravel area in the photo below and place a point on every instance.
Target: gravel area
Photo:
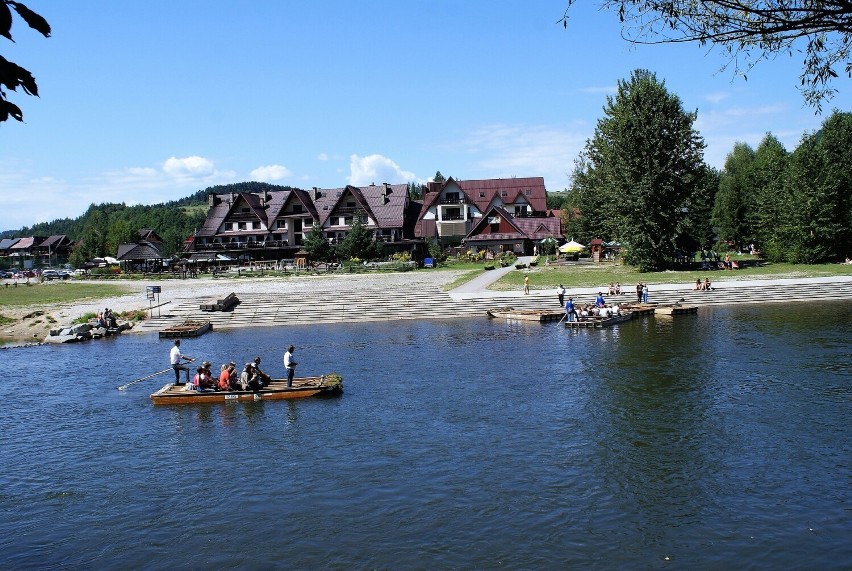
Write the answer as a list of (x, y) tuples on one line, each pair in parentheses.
[(36, 328)]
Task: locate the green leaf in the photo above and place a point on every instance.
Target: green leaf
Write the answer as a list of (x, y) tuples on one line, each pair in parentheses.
[(5, 21), (8, 108), (35, 21)]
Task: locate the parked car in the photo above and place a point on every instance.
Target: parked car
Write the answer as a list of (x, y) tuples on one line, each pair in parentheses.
[(50, 275)]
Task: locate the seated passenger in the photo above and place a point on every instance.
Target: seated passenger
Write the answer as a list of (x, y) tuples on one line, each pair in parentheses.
[(234, 377), (249, 380), (224, 378), (264, 378), (706, 284), (205, 382), (697, 284)]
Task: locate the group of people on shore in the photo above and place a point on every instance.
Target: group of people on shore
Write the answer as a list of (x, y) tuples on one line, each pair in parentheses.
[(251, 378), (702, 286), (106, 318)]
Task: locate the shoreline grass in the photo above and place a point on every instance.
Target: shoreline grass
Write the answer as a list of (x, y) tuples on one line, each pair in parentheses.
[(47, 294), (587, 274)]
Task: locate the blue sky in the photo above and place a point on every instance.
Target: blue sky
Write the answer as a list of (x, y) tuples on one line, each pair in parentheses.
[(144, 102)]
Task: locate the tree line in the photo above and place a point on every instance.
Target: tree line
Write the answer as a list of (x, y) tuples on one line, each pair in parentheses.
[(100, 230), (641, 180)]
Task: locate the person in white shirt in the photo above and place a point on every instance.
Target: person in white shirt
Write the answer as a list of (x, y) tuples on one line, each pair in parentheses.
[(290, 365), (175, 357)]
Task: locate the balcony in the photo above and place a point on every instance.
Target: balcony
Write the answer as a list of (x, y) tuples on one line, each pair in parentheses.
[(460, 228)]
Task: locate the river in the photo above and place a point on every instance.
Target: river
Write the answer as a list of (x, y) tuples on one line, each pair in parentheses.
[(721, 440)]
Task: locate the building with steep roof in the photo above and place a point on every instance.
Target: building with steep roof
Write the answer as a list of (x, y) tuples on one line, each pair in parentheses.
[(500, 231), (451, 209)]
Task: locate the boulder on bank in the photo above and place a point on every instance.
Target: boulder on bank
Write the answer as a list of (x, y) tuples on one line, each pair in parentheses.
[(84, 332)]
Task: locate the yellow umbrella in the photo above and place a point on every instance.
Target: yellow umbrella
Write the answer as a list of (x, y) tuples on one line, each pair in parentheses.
[(571, 247)]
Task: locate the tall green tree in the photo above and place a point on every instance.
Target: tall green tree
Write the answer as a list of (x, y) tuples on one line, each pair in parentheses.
[(730, 212), (358, 242), (439, 177), (317, 246), (770, 198), (641, 168), (118, 232), (820, 179)]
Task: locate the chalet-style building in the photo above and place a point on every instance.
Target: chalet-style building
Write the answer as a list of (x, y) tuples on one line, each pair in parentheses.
[(451, 209), (54, 250), (141, 256), (272, 225), (499, 231)]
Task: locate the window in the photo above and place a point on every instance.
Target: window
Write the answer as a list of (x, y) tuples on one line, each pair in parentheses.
[(255, 225), (245, 210), (242, 226), (297, 209), (350, 204)]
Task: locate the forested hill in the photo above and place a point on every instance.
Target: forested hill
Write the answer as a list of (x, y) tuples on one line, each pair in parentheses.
[(104, 226)]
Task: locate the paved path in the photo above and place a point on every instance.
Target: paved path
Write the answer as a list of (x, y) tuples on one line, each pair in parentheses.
[(377, 302)]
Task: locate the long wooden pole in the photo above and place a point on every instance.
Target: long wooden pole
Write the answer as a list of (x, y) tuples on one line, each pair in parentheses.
[(124, 387), (561, 320)]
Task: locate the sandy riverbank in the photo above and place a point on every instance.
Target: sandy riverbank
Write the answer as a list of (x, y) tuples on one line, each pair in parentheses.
[(32, 323)]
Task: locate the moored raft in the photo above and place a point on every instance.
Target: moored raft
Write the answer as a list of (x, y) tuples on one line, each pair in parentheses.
[(303, 387), (539, 315), (187, 329), (676, 309), (599, 322)]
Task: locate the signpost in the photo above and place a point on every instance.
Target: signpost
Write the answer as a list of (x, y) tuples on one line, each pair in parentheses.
[(153, 294)]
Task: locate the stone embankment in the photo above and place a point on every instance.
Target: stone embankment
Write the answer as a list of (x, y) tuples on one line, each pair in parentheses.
[(378, 300)]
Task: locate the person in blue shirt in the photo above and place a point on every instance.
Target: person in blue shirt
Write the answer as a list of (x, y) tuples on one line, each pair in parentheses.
[(569, 309), (600, 300)]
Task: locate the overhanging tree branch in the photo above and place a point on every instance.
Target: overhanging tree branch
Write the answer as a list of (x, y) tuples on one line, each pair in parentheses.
[(749, 31)]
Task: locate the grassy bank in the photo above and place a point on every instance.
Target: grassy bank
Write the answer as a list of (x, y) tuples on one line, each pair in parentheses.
[(588, 274), (58, 292)]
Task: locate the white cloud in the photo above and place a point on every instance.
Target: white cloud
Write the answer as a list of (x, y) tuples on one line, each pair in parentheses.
[(270, 173), (526, 150), (717, 97), (322, 157), (607, 89), (188, 166), (376, 169), (29, 199)]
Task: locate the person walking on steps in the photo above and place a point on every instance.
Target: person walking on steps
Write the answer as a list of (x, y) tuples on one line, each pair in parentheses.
[(290, 365), (560, 293), (526, 285)]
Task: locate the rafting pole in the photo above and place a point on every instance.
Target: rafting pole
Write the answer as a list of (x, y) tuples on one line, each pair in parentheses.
[(561, 320), (124, 387)]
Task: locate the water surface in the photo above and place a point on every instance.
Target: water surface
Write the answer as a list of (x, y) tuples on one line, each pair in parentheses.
[(713, 441)]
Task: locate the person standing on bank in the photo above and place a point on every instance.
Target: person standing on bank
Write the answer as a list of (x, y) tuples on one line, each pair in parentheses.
[(290, 365), (644, 293), (560, 292), (175, 357)]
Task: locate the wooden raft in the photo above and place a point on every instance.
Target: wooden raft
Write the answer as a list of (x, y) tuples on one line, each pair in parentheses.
[(187, 329), (599, 322), (676, 309), (223, 304), (539, 315)]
